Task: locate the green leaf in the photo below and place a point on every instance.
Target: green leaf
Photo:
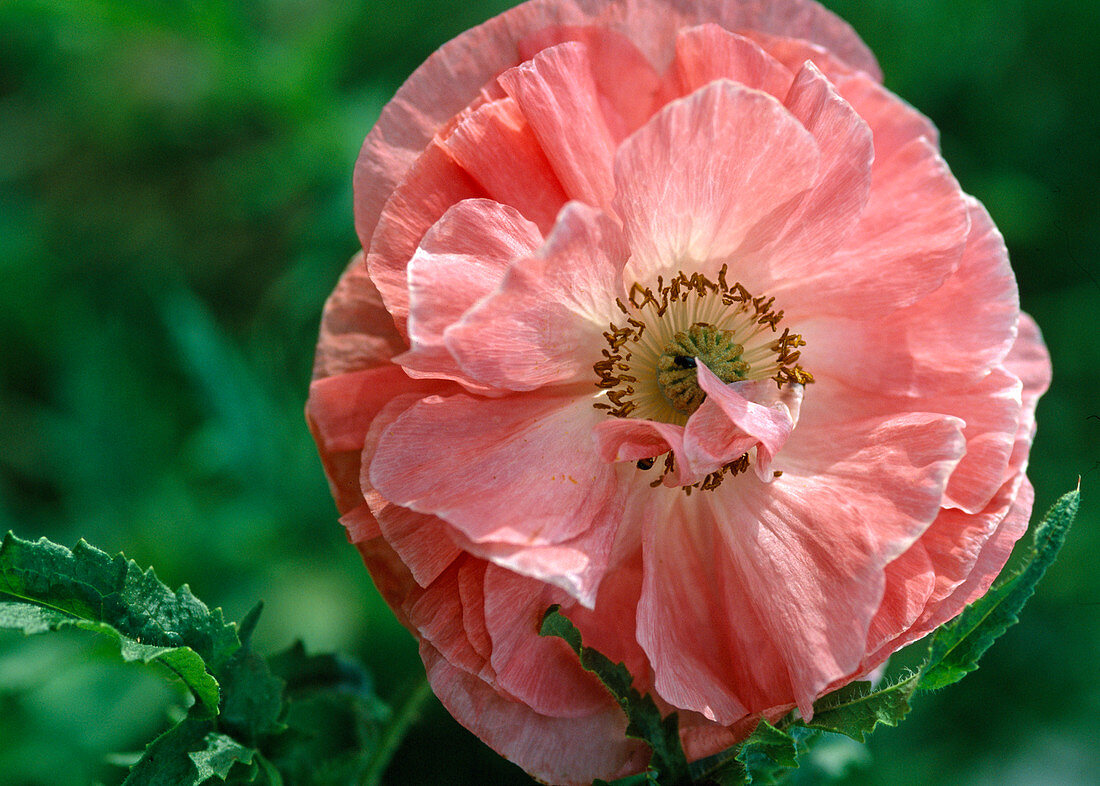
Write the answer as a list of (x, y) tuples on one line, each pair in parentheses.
[(45, 587), (218, 756), (253, 696), (957, 645), (857, 709), (764, 757), (767, 754), (395, 729), (334, 719), (645, 722), (167, 761)]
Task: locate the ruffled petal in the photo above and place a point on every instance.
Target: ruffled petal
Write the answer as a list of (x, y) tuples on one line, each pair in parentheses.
[(791, 572), (433, 184), (630, 89), (830, 212), (1030, 361), (708, 52), (339, 412), (557, 93), (946, 341), (674, 214), (542, 672), (966, 552), (497, 147), (729, 424), (421, 540), (438, 615), (578, 565), (696, 622), (545, 323), (532, 478), (596, 745), (461, 259), (793, 52), (908, 241), (893, 122), (452, 78), (356, 330)]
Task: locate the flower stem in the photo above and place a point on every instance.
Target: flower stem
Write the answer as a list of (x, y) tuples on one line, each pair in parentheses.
[(406, 713)]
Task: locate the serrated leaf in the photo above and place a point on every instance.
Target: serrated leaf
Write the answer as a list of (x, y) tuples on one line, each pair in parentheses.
[(167, 761), (764, 757), (645, 722), (767, 755), (218, 755), (45, 586), (334, 720), (957, 645), (253, 697), (857, 709)]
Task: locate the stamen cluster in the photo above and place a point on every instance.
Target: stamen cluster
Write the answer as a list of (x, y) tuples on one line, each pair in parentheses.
[(649, 368), (684, 311)]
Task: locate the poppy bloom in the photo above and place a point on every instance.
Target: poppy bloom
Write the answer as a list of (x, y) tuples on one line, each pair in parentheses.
[(671, 314)]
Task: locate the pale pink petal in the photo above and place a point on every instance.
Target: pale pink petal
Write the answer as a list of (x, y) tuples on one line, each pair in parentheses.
[(696, 621), (728, 424), (799, 571), (545, 324), (356, 330), (610, 626), (431, 186), (533, 478), (793, 52), (437, 615), (708, 52), (361, 525), (1029, 360), (471, 589), (557, 94), (675, 211), (967, 553), (903, 461), (497, 147), (390, 576), (990, 433), (342, 407), (339, 412), (630, 89), (453, 77), (990, 408), (910, 581), (578, 565), (908, 241), (945, 341), (542, 672), (630, 439), (794, 19), (893, 122), (421, 540), (461, 259), (991, 559), (596, 745), (830, 212)]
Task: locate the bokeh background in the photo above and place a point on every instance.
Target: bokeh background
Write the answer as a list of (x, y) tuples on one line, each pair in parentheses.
[(175, 204)]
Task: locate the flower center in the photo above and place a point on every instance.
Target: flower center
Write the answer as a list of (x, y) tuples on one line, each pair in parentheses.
[(649, 367), (677, 378)]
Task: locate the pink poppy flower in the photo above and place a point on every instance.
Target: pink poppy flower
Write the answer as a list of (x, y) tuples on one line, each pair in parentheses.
[(671, 314)]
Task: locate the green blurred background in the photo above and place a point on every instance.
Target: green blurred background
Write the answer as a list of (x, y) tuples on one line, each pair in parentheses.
[(175, 204)]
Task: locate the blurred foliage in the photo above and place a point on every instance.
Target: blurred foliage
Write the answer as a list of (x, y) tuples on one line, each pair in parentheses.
[(175, 204)]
